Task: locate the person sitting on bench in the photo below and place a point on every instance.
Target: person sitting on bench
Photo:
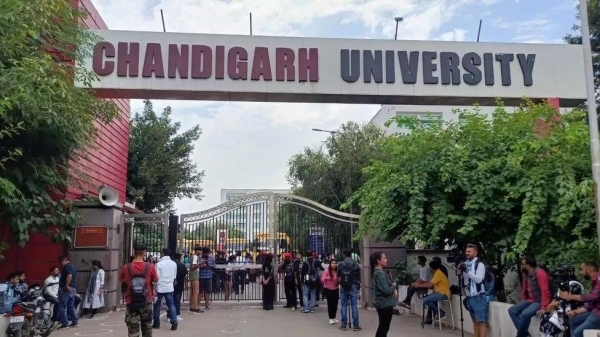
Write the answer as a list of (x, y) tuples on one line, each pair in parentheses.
[(424, 276)]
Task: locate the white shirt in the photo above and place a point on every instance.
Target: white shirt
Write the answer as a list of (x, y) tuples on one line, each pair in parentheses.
[(425, 274), (167, 271), (51, 286), (194, 259)]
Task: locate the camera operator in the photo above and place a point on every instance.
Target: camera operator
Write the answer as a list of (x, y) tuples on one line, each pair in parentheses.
[(587, 317), (534, 297), (473, 275)]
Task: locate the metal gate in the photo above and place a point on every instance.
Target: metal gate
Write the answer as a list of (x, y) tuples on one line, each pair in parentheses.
[(238, 231)]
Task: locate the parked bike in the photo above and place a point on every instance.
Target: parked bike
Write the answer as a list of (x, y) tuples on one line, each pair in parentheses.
[(29, 317)]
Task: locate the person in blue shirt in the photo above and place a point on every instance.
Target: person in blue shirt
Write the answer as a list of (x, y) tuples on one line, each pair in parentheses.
[(207, 264)]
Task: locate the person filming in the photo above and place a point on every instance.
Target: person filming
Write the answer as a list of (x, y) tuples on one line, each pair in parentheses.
[(588, 316), (473, 275)]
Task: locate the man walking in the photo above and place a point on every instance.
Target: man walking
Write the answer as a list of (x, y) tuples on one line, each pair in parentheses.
[(349, 276), (138, 276), (535, 296), (179, 284), (167, 272), (473, 273), (67, 293)]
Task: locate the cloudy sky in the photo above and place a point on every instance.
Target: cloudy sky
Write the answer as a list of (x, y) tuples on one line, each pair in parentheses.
[(247, 145)]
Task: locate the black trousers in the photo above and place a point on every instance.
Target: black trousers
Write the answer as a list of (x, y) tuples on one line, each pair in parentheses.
[(333, 297), (299, 287), (268, 294), (290, 294), (385, 319)]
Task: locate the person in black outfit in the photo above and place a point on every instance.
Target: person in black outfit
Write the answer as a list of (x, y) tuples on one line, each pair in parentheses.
[(179, 283), (289, 281), (268, 282), (298, 278)]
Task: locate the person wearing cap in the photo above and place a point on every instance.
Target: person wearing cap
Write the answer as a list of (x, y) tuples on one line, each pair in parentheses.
[(136, 317), (194, 277)]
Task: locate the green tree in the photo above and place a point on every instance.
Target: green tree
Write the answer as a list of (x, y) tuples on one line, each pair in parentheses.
[(48, 123), (575, 38), (160, 166), (518, 183), (332, 175)]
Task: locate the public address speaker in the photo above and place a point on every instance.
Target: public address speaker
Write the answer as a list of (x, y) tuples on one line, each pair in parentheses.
[(108, 196)]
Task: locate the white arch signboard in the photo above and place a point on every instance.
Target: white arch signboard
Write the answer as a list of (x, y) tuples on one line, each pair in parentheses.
[(292, 69)]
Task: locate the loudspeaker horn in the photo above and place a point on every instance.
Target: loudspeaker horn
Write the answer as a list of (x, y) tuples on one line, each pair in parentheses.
[(108, 196)]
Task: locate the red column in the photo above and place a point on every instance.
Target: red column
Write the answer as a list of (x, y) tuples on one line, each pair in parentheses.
[(554, 102)]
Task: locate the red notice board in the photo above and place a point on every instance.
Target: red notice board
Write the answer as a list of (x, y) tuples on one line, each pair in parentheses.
[(91, 237)]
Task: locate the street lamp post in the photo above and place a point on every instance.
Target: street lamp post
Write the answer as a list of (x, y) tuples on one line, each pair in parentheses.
[(591, 106), (398, 19)]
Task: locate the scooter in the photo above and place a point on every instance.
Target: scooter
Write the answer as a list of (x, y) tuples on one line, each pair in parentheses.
[(29, 317)]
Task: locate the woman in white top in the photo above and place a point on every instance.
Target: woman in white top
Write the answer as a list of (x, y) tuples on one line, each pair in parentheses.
[(94, 296)]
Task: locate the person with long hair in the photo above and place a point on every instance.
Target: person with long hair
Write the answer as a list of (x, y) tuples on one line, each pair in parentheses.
[(94, 296), (384, 293), (331, 290), (268, 282)]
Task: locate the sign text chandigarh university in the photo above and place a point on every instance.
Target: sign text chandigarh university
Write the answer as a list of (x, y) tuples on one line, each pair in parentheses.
[(256, 68)]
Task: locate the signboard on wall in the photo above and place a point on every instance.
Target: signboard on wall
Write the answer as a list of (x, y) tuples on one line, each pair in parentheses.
[(291, 69), (91, 237)]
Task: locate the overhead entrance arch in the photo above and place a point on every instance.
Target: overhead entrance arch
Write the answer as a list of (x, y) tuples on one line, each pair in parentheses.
[(263, 222)]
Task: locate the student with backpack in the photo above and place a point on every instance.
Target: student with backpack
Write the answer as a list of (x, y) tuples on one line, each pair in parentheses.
[(349, 275), (310, 280), (139, 276)]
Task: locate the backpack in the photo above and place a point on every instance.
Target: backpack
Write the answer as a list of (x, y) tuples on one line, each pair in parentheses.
[(312, 278), (347, 276), (289, 271), (489, 280), (137, 288)]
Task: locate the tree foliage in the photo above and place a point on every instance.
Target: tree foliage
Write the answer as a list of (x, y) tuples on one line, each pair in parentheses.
[(46, 121), (160, 166), (332, 175), (594, 23), (516, 183)]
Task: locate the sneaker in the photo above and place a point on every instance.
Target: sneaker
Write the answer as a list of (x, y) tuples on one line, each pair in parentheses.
[(287, 306), (343, 328), (404, 305), (332, 321), (440, 317), (357, 328), (293, 309), (336, 321), (174, 325), (74, 326), (62, 327), (179, 318), (312, 311)]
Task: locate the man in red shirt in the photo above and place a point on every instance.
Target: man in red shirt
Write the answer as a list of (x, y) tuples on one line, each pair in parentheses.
[(139, 313), (534, 298)]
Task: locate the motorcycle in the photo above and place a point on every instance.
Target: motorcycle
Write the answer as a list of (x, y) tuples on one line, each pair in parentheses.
[(29, 317)]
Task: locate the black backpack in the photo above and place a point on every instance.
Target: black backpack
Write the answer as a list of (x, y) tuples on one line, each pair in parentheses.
[(289, 271), (312, 278), (347, 276), (137, 287)]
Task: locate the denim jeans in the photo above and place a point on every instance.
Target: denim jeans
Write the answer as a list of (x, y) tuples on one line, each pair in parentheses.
[(582, 322), (54, 301), (431, 301), (171, 312), (66, 306), (310, 295), (351, 294), (521, 315)]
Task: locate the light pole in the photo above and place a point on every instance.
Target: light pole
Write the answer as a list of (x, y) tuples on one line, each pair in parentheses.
[(591, 106), (328, 131), (398, 19)]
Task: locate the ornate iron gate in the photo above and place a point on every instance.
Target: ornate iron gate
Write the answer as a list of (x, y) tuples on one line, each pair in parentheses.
[(239, 230)]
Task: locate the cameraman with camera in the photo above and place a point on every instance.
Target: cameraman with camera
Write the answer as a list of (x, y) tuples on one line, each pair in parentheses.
[(587, 317), (473, 275)]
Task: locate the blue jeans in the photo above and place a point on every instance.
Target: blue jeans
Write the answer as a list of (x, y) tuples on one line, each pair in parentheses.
[(66, 306), (351, 294), (307, 291), (171, 312), (431, 301), (521, 315), (582, 322)]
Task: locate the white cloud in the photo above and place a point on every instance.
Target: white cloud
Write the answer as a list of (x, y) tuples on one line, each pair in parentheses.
[(247, 145)]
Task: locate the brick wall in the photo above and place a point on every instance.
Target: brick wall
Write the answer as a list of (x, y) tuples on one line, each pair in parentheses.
[(106, 164)]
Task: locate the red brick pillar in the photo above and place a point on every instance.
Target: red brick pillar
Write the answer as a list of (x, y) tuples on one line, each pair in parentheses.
[(554, 102)]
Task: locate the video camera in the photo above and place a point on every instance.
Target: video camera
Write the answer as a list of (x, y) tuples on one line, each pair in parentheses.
[(455, 256), (562, 275)]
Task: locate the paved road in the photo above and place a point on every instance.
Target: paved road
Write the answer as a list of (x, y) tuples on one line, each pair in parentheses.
[(250, 321)]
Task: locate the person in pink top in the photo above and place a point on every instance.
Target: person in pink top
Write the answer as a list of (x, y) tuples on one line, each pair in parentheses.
[(330, 283)]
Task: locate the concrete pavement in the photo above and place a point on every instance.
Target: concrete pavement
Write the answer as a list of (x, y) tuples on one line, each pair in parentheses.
[(250, 320)]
